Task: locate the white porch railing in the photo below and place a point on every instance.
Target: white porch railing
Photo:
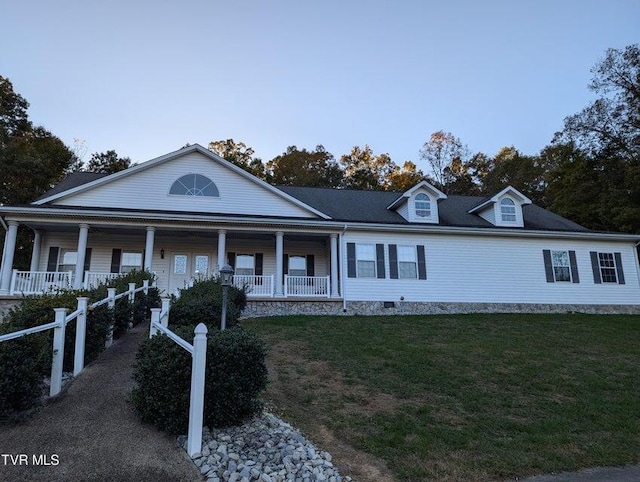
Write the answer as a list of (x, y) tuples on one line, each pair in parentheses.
[(255, 285), (306, 286), (36, 282), (94, 278)]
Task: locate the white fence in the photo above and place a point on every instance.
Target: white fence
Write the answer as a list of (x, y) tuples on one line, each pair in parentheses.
[(306, 286), (198, 352), (59, 326), (36, 282), (93, 278), (255, 285)]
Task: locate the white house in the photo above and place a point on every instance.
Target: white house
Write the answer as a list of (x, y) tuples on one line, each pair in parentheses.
[(318, 250)]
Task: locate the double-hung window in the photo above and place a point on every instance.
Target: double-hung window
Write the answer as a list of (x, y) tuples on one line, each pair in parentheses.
[(422, 206), (508, 210), (245, 265), (366, 260), (297, 265), (407, 262), (68, 259), (130, 261), (561, 265), (607, 265)]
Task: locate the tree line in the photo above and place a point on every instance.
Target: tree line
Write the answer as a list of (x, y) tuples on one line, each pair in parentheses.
[(589, 172)]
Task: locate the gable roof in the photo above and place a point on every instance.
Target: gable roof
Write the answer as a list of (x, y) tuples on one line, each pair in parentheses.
[(78, 184), (494, 199), (409, 192)]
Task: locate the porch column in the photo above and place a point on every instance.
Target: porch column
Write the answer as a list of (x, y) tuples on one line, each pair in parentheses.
[(83, 235), (334, 265), (7, 257), (222, 248), (148, 248), (35, 253), (279, 259)]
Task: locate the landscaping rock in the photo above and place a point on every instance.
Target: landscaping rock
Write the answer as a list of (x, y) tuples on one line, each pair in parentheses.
[(281, 452)]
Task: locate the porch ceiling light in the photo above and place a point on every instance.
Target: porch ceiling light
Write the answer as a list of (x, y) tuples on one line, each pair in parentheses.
[(226, 275)]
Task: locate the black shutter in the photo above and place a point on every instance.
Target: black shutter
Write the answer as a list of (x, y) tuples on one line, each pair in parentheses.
[(116, 256), (422, 263), (393, 261), (52, 261), (231, 259), (311, 265), (258, 264), (87, 259), (285, 265), (618, 258), (548, 266), (595, 266), (574, 267), (351, 260), (380, 261)]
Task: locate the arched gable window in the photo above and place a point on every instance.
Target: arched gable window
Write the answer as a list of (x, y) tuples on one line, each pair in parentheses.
[(194, 185), (422, 206), (508, 210)]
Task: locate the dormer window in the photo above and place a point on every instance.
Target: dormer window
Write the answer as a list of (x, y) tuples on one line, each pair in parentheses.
[(508, 210), (423, 206), (194, 185)]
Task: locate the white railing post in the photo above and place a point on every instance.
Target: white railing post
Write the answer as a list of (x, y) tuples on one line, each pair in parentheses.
[(166, 304), (327, 286), (132, 294), (14, 276), (69, 279), (286, 285), (155, 318), (81, 332), (273, 286), (111, 295), (145, 286), (87, 274), (196, 399), (57, 358)]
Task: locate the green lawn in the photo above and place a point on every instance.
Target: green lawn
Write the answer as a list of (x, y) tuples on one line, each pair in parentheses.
[(464, 397)]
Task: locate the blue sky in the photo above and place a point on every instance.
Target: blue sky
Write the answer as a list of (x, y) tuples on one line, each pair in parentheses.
[(145, 78)]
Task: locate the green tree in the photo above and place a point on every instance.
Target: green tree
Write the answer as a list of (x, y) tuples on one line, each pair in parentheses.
[(107, 162), (239, 154), (440, 152), (32, 160), (403, 178), (364, 170), (296, 167)]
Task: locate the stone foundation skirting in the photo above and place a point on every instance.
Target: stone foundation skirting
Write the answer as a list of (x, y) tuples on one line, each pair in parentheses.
[(257, 308)]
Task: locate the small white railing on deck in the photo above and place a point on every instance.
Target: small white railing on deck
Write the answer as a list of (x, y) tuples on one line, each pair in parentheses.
[(306, 286), (95, 278), (255, 285), (36, 282)]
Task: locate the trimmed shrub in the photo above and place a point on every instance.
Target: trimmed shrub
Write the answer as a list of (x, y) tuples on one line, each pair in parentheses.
[(235, 376), (202, 303)]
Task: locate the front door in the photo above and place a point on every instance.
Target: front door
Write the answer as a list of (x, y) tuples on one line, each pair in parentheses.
[(187, 267)]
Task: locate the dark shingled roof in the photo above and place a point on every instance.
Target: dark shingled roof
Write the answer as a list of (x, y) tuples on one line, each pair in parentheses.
[(371, 206), (74, 179)]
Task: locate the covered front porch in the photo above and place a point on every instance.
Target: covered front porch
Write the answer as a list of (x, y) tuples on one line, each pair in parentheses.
[(268, 263)]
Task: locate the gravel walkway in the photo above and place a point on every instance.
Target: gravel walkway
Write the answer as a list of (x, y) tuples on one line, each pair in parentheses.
[(93, 431)]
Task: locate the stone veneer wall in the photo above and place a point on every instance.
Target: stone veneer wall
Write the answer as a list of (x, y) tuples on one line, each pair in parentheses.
[(257, 308), (6, 303)]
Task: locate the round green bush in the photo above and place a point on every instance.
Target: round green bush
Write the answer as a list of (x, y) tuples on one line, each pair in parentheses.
[(235, 376), (202, 303)]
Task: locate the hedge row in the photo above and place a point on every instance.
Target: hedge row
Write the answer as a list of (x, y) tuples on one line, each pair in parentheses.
[(26, 361)]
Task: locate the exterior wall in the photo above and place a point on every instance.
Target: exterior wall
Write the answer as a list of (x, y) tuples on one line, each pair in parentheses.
[(263, 308), (489, 269), (149, 189)]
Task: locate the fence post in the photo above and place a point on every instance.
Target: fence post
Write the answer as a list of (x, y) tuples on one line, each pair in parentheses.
[(81, 331), (132, 295), (14, 277), (145, 285), (155, 318), (196, 399), (58, 352), (69, 280), (166, 303), (111, 294), (328, 286), (286, 283)]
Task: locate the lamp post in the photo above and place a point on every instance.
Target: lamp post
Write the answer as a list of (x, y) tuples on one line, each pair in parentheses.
[(226, 277)]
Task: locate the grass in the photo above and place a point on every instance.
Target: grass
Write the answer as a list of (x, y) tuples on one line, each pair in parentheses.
[(464, 397)]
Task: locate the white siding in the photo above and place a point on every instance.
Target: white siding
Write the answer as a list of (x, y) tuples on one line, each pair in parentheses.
[(494, 270), (149, 189)]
